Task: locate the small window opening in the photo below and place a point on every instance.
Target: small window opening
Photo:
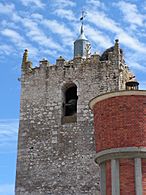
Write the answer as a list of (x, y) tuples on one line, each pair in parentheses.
[(70, 104), (71, 101)]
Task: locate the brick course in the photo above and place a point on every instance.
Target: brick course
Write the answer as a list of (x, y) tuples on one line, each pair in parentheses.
[(108, 178), (120, 122), (127, 183), (144, 176)]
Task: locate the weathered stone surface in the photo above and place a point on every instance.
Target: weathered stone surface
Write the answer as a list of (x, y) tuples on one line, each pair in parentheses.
[(55, 157)]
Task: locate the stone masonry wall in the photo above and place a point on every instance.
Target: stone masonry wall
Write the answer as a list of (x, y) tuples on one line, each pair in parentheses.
[(55, 158)]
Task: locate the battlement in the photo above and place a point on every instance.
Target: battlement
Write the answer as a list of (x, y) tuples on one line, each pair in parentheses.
[(111, 58)]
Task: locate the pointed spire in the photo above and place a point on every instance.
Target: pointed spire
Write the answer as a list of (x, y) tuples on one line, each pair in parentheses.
[(80, 48)]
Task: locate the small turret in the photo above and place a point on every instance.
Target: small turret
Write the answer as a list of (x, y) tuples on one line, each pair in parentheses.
[(82, 44), (132, 83)]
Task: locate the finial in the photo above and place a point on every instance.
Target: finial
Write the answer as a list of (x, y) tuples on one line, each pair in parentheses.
[(25, 56), (24, 65), (117, 42), (116, 46)]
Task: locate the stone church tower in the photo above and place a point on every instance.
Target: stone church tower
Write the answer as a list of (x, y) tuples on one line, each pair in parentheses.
[(56, 148)]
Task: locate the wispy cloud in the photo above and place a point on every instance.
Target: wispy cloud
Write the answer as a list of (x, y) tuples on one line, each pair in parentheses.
[(66, 14), (37, 3), (64, 32), (131, 13), (94, 4), (14, 36), (37, 35), (6, 49), (18, 40), (54, 25), (7, 189), (131, 42), (8, 131), (137, 66), (7, 8), (98, 37), (63, 3), (101, 20)]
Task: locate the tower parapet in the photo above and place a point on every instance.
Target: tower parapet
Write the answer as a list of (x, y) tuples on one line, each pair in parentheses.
[(111, 64)]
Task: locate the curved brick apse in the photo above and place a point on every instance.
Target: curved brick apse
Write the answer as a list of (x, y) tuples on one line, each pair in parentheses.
[(120, 121), (120, 136)]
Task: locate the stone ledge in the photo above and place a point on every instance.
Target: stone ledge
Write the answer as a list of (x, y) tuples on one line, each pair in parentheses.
[(116, 153), (115, 94)]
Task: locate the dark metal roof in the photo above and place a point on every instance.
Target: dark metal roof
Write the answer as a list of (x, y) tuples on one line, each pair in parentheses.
[(104, 56)]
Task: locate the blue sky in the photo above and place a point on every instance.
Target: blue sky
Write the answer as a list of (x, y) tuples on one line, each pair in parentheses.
[(48, 28)]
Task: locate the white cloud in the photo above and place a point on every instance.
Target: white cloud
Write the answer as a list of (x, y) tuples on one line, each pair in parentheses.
[(130, 41), (94, 4), (37, 16), (7, 189), (131, 13), (64, 13), (6, 49), (37, 35), (64, 32), (100, 20), (15, 36), (63, 3), (37, 3), (58, 28), (135, 61), (33, 31), (98, 37), (18, 40), (8, 132), (137, 66), (6, 8), (10, 10)]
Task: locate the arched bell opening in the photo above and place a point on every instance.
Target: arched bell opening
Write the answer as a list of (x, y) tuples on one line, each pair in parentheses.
[(69, 103)]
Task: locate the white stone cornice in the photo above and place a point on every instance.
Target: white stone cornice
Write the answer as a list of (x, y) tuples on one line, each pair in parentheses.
[(118, 153), (115, 94)]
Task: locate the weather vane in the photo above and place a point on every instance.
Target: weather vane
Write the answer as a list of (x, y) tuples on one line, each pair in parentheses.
[(84, 13)]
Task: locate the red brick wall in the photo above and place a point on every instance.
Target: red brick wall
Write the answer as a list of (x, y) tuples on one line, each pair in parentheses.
[(144, 176), (108, 178), (119, 122), (127, 183)]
